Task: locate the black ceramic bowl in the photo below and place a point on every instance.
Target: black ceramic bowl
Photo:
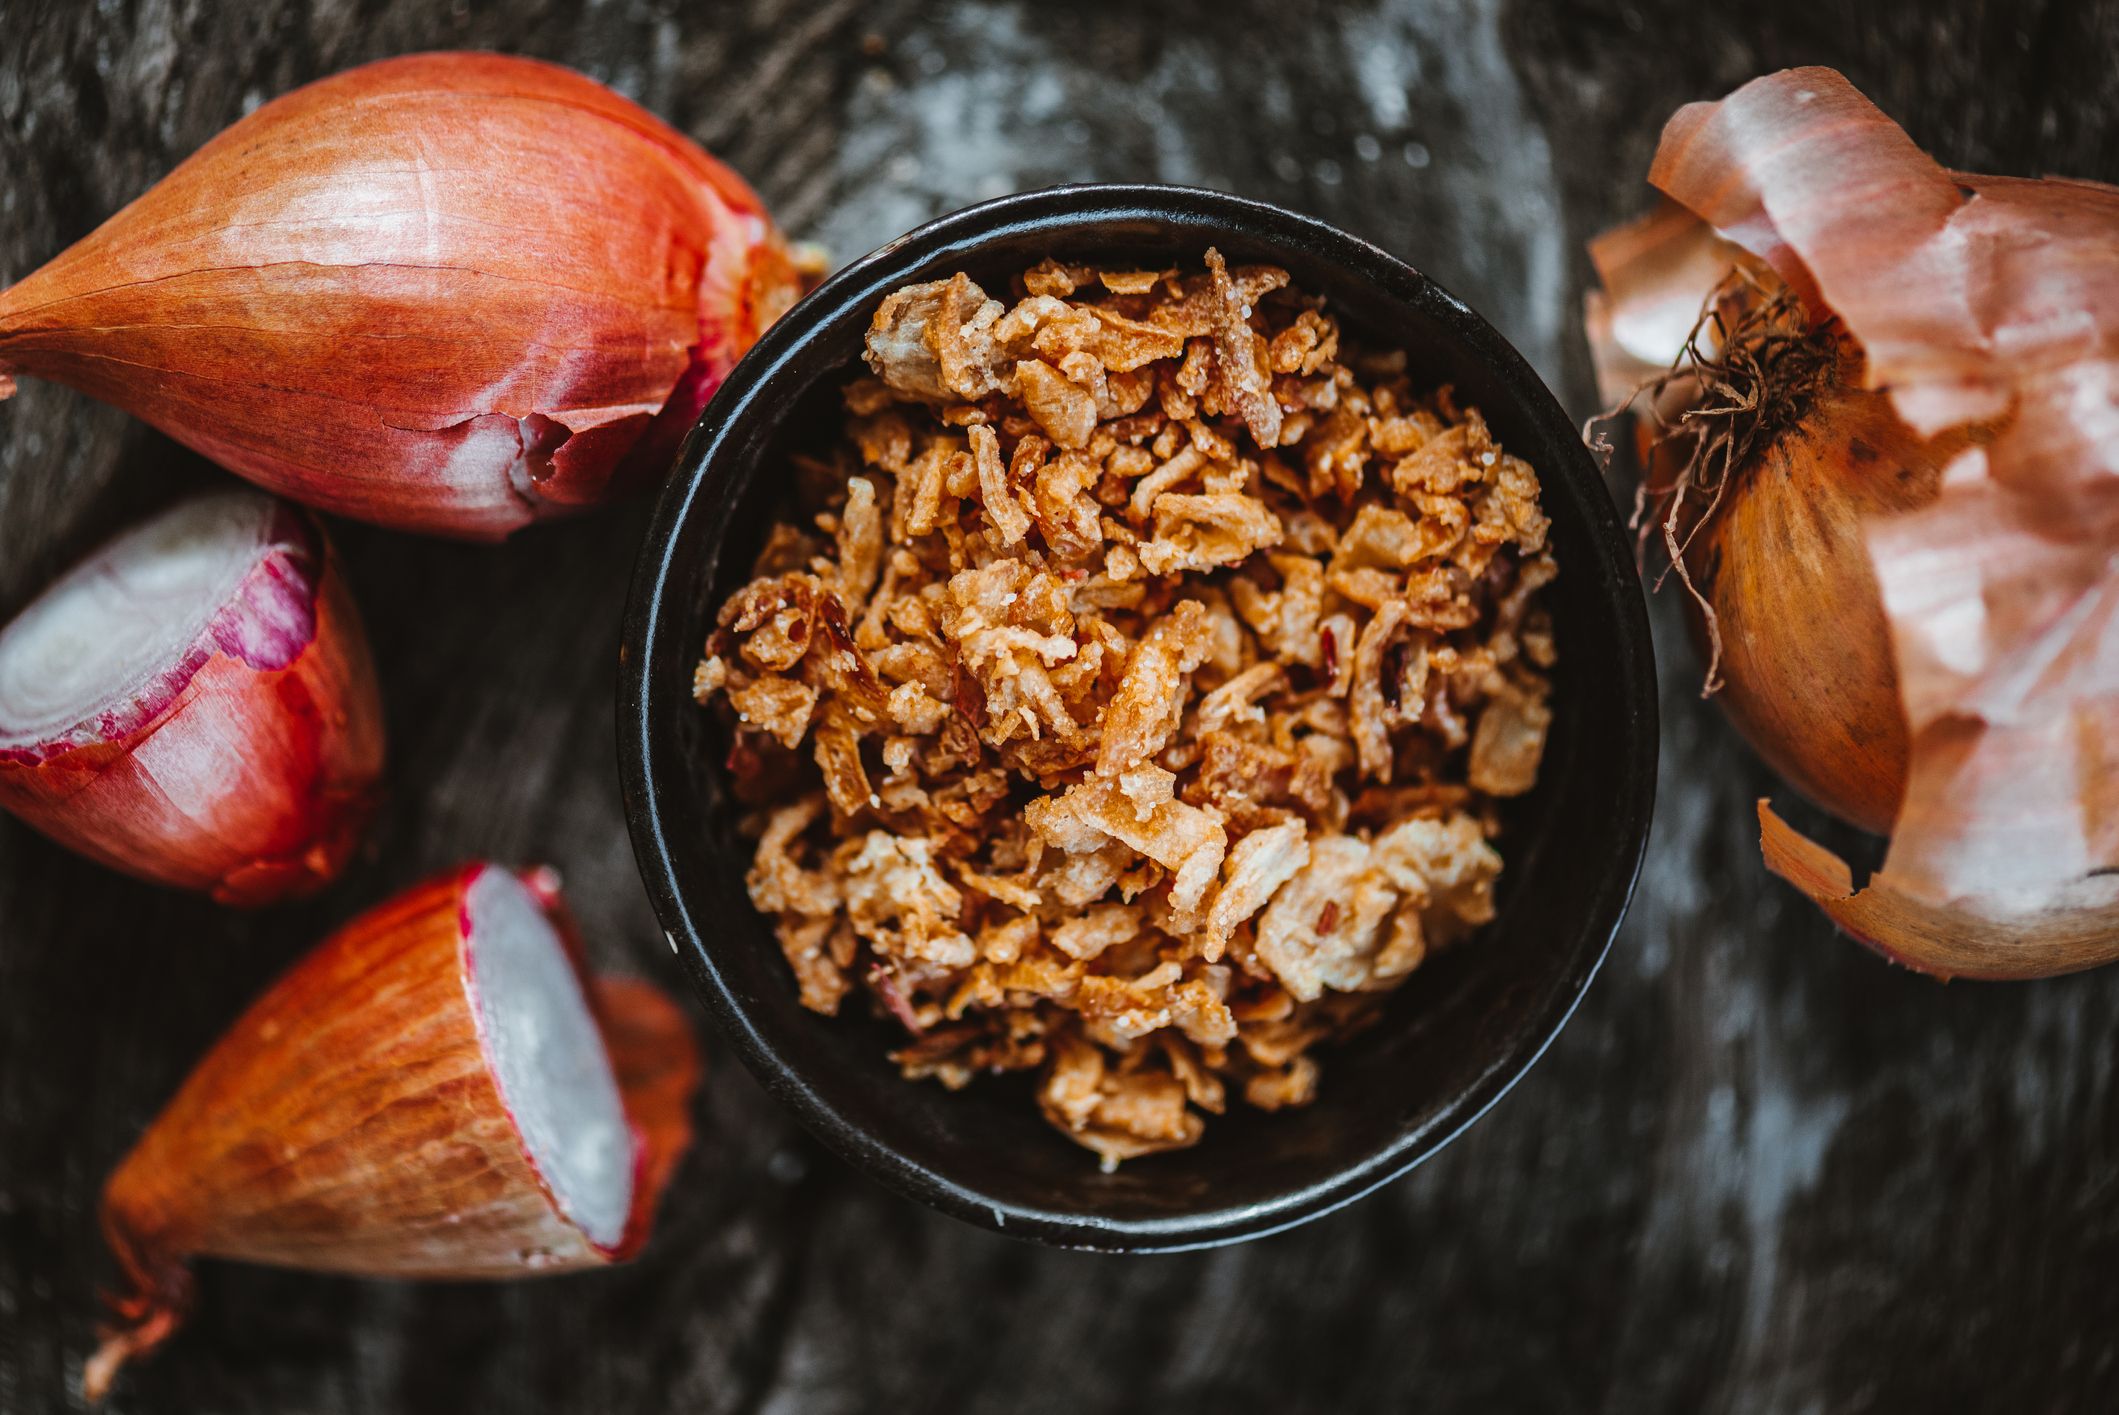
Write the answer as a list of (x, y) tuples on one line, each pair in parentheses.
[(1464, 1026)]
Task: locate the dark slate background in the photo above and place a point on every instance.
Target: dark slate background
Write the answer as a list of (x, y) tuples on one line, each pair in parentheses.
[(1760, 1171)]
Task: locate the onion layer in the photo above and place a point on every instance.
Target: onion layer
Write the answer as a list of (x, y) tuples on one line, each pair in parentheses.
[(435, 1091), (194, 704), (1986, 315), (446, 292)]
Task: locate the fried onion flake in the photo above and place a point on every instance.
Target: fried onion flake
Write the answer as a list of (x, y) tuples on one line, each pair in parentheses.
[(1147, 690)]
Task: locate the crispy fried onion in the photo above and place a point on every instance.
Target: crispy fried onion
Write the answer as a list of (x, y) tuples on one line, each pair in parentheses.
[(1135, 710)]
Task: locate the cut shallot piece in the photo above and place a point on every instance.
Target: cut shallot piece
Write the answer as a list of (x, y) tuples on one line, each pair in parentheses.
[(194, 704), (435, 1092)]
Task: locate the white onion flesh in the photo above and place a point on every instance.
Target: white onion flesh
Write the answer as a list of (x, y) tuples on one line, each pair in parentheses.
[(548, 1056), (108, 628)]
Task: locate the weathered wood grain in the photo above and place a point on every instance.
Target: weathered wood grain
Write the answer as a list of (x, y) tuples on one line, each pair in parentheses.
[(1759, 1172)]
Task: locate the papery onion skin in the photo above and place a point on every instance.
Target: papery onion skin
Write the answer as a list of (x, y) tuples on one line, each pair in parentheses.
[(252, 770), (658, 1068), (447, 292), (350, 1122), (1655, 273), (1950, 939)]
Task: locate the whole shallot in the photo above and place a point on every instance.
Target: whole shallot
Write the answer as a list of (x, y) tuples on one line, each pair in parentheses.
[(445, 292)]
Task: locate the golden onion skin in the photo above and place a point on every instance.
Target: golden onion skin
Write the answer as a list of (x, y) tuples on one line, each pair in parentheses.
[(1806, 657)]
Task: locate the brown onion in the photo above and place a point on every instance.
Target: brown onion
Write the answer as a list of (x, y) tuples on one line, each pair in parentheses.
[(435, 1092), (445, 292), (1884, 461), (194, 704)]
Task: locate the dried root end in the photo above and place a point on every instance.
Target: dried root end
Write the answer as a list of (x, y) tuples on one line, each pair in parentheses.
[(157, 1299), (1749, 370), (122, 1344)]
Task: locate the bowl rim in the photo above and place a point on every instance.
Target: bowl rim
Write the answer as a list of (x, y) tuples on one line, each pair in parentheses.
[(756, 376)]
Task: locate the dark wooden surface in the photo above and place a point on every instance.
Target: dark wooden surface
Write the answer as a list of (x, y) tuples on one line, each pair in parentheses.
[(1759, 1172)]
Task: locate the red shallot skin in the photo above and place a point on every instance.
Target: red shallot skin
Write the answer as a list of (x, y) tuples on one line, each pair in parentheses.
[(350, 1122), (658, 1069), (448, 293), (251, 769)]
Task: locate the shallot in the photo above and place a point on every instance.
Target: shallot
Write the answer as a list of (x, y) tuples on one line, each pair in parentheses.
[(436, 1091), (1882, 448), (194, 704), (444, 292)]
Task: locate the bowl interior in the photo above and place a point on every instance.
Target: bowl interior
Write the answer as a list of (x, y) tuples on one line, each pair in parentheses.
[(1463, 1026)]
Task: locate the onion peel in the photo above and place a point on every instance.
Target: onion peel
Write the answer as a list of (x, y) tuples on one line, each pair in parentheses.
[(1656, 273), (1947, 939), (658, 1069)]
